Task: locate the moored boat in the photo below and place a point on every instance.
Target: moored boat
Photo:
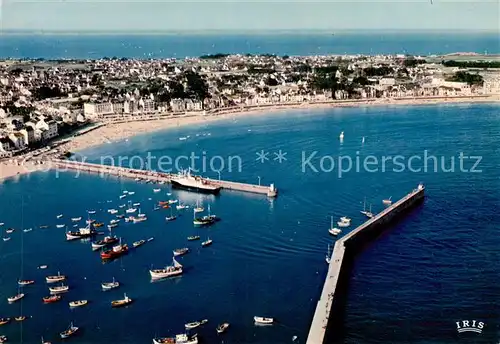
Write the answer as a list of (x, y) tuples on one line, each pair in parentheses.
[(121, 303), (60, 226), (170, 218), (173, 270), (332, 230), (4, 321), (59, 289), (42, 267), (59, 216), (263, 320), (156, 190), (76, 219), (79, 303), (10, 230), (193, 237), (112, 225), (109, 240), (3, 339), (56, 278), (20, 318), (222, 327), (51, 298), (69, 332), (139, 219), (180, 251), (179, 339), (207, 242), (139, 243), (25, 282), (184, 180), (6, 239), (15, 298), (115, 252), (181, 206), (91, 211), (192, 325), (82, 233), (110, 285), (98, 224)]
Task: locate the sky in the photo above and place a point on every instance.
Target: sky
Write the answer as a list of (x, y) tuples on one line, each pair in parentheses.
[(239, 15)]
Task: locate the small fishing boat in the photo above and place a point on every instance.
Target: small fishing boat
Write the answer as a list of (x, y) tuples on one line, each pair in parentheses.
[(192, 325), (198, 208), (343, 224), (79, 303), (193, 237), (45, 341), (98, 224), (180, 251), (162, 202), (15, 298), (121, 303), (112, 225), (6, 239), (42, 267), (207, 242), (114, 221), (138, 243), (166, 206), (43, 227), (60, 226), (82, 233), (173, 201), (122, 196), (75, 226), (169, 271), (156, 208), (27, 230), (138, 204), (91, 211), (112, 211), (132, 192), (69, 332), (131, 210), (151, 239), (115, 252), (110, 285), (345, 219), (171, 218), (387, 202), (9, 231), (341, 136), (263, 320), (120, 216), (109, 240), (56, 278), (3, 339), (181, 206), (179, 339), (169, 194), (4, 321), (20, 318), (89, 221), (139, 219), (1, 224), (59, 216), (76, 219), (51, 298), (25, 282), (59, 289), (121, 206), (222, 328), (202, 221), (156, 190)]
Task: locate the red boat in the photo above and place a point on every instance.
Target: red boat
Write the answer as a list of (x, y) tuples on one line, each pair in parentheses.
[(51, 299), (163, 203), (115, 252)]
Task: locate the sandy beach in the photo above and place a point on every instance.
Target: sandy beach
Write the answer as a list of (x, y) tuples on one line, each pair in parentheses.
[(119, 131)]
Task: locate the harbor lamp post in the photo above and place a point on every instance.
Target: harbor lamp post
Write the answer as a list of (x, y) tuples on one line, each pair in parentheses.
[(259, 180)]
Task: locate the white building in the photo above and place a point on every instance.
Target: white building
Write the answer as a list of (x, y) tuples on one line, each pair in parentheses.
[(96, 110), (48, 129), (18, 140), (29, 135)]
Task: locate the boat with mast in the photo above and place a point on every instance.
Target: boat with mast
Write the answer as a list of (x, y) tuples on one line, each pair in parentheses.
[(222, 327), (59, 289), (333, 231), (207, 242), (179, 339), (328, 257), (387, 202), (115, 252), (198, 208), (195, 324), (82, 233), (107, 241), (51, 298), (172, 217), (110, 285), (69, 332), (169, 271), (121, 303), (20, 295), (56, 278)]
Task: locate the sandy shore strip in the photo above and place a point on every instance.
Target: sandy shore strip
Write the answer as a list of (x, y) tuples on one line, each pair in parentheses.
[(113, 132)]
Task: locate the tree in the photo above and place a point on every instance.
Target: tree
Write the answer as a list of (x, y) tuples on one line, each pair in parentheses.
[(197, 87)]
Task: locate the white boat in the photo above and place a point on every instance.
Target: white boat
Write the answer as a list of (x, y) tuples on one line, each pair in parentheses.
[(184, 180), (138, 204), (122, 196), (222, 328), (15, 298), (387, 201), (333, 231), (91, 211), (181, 206), (172, 201), (112, 225), (343, 224), (59, 289), (60, 226), (364, 211), (79, 303), (139, 219), (198, 208), (328, 257), (207, 242), (263, 320), (180, 251), (179, 339), (53, 279), (69, 332), (43, 267), (169, 194), (192, 325), (110, 285), (182, 138), (173, 270), (341, 136), (122, 206), (27, 230), (156, 190), (59, 216), (345, 219), (131, 210), (114, 221), (132, 192), (1, 224), (369, 214), (75, 219), (6, 239), (112, 211)]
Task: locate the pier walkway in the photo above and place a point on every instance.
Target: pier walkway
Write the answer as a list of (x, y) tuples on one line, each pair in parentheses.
[(270, 191), (321, 316)]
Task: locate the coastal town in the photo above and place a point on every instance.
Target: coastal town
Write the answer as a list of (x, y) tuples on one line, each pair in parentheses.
[(44, 104)]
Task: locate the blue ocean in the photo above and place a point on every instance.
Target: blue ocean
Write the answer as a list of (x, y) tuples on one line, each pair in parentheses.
[(437, 266), (88, 46)]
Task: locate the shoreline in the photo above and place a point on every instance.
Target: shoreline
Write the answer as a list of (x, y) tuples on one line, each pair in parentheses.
[(112, 132)]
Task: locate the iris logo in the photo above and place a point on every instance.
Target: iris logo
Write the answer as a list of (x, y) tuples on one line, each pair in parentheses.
[(470, 326)]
